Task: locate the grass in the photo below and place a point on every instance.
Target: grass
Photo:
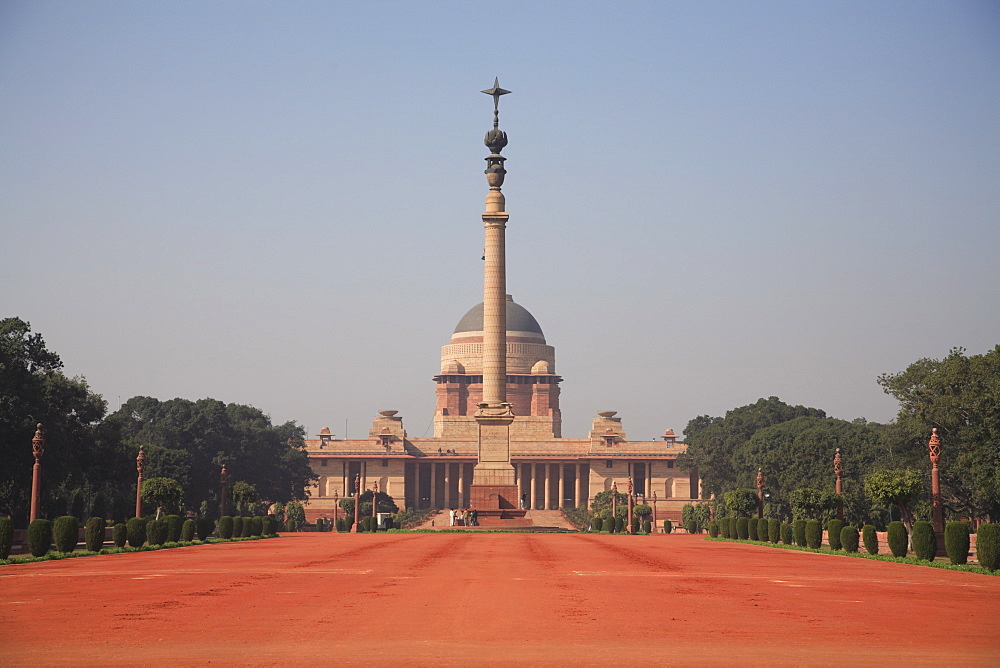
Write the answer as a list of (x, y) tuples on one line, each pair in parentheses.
[(56, 556)]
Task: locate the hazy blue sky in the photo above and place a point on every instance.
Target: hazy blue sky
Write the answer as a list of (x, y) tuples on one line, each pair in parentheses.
[(279, 203)]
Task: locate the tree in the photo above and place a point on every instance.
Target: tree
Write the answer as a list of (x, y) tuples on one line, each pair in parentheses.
[(386, 504), (601, 504), (741, 502), (244, 495), (164, 493), (960, 396), (899, 488), (812, 504), (296, 513)]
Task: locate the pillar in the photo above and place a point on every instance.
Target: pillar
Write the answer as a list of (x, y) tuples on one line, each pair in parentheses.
[(434, 476), (562, 484), (579, 486), (534, 485), (37, 449), (462, 503), (447, 485), (548, 486), (648, 492)]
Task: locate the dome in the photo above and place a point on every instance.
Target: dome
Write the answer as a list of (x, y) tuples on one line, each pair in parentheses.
[(518, 319)]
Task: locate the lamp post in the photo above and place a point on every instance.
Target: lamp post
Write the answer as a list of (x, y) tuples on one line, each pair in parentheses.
[(631, 505), (140, 466), (934, 449), (614, 501), (336, 507), (375, 505), (655, 520), (760, 493), (38, 449), (838, 469), (357, 502), (223, 481)]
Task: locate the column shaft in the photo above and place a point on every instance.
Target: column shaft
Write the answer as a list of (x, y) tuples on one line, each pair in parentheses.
[(548, 486), (579, 486), (562, 485), (495, 314), (534, 486)]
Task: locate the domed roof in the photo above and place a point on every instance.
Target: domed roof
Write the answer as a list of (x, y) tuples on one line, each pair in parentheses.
[(518, 319)]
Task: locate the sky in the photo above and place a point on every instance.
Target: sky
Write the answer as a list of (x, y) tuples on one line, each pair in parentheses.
[(279, 204)]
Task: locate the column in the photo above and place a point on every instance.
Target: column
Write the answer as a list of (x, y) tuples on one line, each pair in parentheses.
[(562, 484), (579, 486), (649, 480), (434, 476), (343, 478), (519, 474), (364, 475), (548, 486), (447, 485), (462, 503), (534, 485)]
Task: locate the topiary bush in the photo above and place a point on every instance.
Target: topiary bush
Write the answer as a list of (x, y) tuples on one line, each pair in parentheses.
[(897, 539), (256, 526), (742, 528), (849, 539), (762, 527), (668, 526), (268, 525), (870, 538), (635, 525), (833, 528), (39, 537), (814, 534), (647, 526), (187, 531), (340, 525), (713, 529), (93, 534), (787, 533), (596, 524), (319, 524), (247, 527), (619, 524), (136, 530), (988, 546), (237, 526), (752, 528), (924, 540), (6, 536), (174, 524), (956, 541), (773, 530), (119, 535), (205, 527), (724, 527), (227, 527), (66, 533), (799, 529), (154, 529)]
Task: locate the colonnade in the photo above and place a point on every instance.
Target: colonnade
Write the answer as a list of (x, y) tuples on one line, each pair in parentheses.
[(538, 480)]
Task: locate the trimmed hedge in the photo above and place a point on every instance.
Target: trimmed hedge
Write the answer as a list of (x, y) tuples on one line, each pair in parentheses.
[(897, 539), (247, 526), (269, 525), (66, 533), (988, 546), (119, 535), (870, 538), (787, 534), (156, 532), (799, 529), (6, 536), (742, 528), (956, 541), (340, 525), (833, 528), (227, 526), (668, 526), (773, 530), (924, 540), (849, 539), (237, 527), (39, 537), (93, 534), (205, 527), (136, 530), (762, 528), (595, 524), (814, 534), (187, 531), (256, 526), (752, 528), (724, 527), (174, 525), (713, 529), (647, 526)]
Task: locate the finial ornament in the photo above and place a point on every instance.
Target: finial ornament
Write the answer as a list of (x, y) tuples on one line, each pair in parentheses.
[(934, 446), (838, 463), (760, 478), (496, 139), (38, 442), (140, 460), (496, 92)]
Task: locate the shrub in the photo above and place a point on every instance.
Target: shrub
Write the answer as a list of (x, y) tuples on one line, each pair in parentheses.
[(389, 523), (596, 524), (833, 528), (773, 530), (762, 528), (6, 536), (119, 535), (956, 541), (814, 534), (647, 526), (849, 539), (93, 533), (723, 527), (742, 528), (227, 526), (752, 527), (187, 531), (870, 538), (924, 540), (668, 526), (39, 537), (897, 538), (237, 526), (256, 526), (136, 530), (619, 524), (319, 524), (247, 526), (154, 530), (66, 533), (267, 525), (713, 529), (340, 525), (799, 529), (787, 533), (988, 546), (205, 526), (174, 525)]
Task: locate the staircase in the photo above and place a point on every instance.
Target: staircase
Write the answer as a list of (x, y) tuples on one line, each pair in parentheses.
[(551, 519)]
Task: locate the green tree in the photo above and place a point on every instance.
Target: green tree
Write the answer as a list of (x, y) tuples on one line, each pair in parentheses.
[(812, 504), (741, 502), (297, 514), (244, 495), (897, 488), (163, 493), (601, 504)]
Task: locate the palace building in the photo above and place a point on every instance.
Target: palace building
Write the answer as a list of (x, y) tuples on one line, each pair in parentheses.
[(497, 443)]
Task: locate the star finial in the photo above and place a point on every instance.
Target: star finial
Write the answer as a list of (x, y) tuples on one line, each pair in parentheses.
[(496, 92)]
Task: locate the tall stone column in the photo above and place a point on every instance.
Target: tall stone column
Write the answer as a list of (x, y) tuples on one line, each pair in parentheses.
[(934, 450), (562, 485), (838, 470), (37, 449), (223, 481), (548, 486), (533, 501), (579, 486), (760, 493), (140, 467), (494, 491)]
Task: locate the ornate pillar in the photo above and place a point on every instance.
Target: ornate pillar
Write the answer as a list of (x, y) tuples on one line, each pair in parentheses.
[(631, 505), (357, 503), (336, 508), (614, 499), (223, 481), (37, 449), (140, 466), (934, 449), (760, 493), (838, 469), (655, 519), (375, 500)]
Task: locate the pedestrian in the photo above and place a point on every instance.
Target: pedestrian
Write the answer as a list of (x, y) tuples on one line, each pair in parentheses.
[(451, 517)]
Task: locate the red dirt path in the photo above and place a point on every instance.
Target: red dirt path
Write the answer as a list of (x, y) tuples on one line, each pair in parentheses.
[(448, 599)]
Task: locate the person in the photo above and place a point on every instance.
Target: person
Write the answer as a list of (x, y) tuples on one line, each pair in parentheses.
[(524, 500), (475, 518), (451, 517)]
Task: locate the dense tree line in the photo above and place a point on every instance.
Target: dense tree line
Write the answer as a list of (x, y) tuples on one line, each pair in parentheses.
[(89, 461)]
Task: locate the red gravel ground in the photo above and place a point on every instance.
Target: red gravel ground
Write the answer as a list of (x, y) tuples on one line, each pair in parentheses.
[(449, 599)]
